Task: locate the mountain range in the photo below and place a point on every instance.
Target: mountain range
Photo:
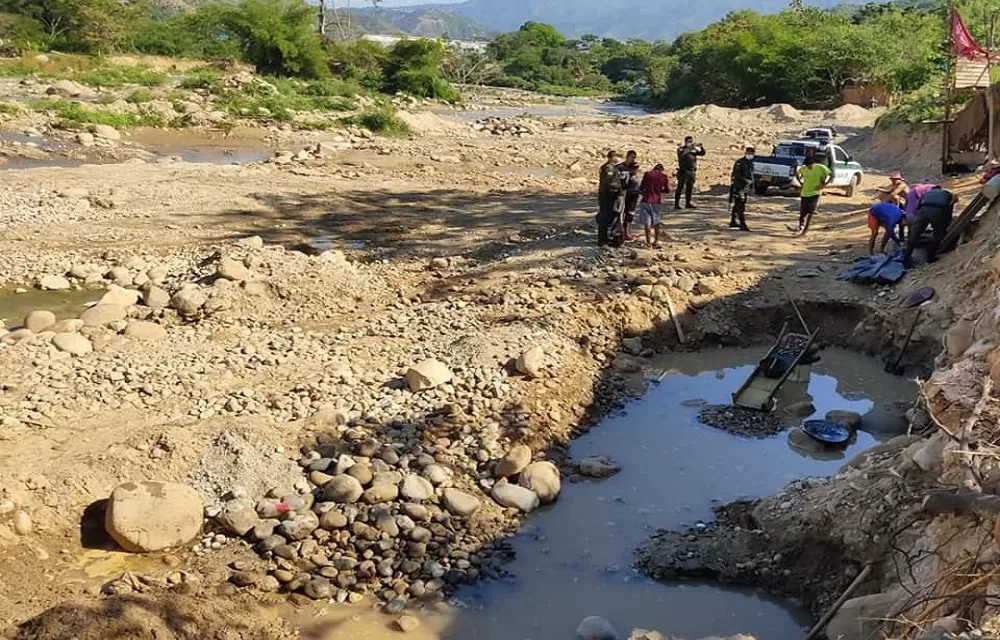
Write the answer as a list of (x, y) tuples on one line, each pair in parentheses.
[(623, 19)]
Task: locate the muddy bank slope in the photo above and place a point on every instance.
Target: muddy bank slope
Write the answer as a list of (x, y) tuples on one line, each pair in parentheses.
[(919, 510)]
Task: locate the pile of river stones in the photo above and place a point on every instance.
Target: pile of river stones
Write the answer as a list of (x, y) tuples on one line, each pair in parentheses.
[(741, 421), (505, 127), (384, 520)]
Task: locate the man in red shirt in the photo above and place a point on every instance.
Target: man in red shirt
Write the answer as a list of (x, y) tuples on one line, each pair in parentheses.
[(654, 185)]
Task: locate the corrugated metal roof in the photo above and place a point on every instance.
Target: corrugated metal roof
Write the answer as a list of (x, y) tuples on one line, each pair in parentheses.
[(970, 74)]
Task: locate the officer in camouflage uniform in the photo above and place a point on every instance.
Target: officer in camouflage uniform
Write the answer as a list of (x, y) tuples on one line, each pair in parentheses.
[(610, 197)]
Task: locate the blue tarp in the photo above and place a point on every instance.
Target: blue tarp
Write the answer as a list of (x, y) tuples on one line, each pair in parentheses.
[(880, 269)]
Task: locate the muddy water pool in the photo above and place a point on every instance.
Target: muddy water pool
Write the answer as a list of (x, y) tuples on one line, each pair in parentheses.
[(573, 558), (64, 304)]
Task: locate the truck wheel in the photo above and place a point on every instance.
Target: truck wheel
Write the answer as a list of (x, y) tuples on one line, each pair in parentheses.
[(760, 189), (852, 187)]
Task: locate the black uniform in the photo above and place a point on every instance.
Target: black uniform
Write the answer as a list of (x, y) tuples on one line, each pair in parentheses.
[(739, 191), (610, 198), (687, 171), (935, 210)]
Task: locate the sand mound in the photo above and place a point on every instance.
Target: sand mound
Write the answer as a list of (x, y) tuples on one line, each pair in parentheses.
[(783, 113), (427, 123), (848, 113)]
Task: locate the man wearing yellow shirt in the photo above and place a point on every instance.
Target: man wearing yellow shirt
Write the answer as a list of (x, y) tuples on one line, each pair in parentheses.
[(813, 176)]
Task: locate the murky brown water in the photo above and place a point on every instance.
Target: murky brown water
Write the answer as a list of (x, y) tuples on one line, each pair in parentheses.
[(65, 304), (573, 559)]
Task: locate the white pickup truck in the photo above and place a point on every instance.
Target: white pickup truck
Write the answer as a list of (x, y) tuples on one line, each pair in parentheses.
[(778, 169)]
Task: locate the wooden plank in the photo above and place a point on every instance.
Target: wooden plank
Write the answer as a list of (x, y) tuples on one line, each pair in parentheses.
[(962, 222)]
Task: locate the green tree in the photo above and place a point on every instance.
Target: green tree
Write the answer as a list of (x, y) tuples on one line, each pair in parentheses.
[(279, 36), (414, 67), (25, 32)]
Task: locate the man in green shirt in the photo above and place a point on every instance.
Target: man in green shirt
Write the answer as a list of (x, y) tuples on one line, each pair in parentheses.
[(813, 176)]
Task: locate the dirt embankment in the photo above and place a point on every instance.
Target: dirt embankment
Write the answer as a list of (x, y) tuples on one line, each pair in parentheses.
[(920, 510)]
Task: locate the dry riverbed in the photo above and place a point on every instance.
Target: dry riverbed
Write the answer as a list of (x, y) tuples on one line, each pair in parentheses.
[(360, 361)]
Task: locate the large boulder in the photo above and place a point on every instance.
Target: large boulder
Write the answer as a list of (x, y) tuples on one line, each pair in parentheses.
[(849, 419), (188, 301), (40, 320), (119, 296), (103, 314), (514, 497), (343, 489), (72, 343), (427, 375), (156, 298), (514, 462), (542, 478), (106, 132), (152, 516), (54, 283)]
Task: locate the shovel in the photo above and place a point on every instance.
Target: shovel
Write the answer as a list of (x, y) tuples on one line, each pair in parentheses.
[(896, 368)]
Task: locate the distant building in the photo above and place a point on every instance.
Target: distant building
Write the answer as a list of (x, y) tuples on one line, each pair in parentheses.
[(388, 41)]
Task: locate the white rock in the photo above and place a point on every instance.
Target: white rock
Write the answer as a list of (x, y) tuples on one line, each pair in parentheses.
[(106, 132), (103, 314), (530, 362), (39, 320), (119, 296), (542, 478), (155, 298), (514, 462), (416, 489), (72, 343), (188, 301), (54, 283), (22, 523), (152, 516), (460, 503), (515, 497), (427, 375), (232, 270), (146, 331)]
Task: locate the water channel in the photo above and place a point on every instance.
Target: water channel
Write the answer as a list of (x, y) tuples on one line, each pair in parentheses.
[(573, 559)]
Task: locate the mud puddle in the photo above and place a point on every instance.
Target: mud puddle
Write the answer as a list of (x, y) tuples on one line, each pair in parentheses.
[(64, 304), (574, 559), (240, 148)]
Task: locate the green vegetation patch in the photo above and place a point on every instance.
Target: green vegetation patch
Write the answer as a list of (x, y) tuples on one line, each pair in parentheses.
[(74, 115), (382, 120)]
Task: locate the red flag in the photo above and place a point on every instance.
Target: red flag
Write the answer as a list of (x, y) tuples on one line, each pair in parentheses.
[(965, 45)]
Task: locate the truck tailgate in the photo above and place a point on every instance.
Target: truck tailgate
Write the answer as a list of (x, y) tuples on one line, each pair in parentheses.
[(772, 169)]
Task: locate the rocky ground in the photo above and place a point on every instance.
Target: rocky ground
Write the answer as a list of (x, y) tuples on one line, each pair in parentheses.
[(357, 365)]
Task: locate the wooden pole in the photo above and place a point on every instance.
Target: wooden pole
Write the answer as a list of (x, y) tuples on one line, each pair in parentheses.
[(948, 88), (832, 611), (673, 317), (990, 94)]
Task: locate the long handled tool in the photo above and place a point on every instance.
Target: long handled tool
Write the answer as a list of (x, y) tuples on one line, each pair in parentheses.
[(895, 368)]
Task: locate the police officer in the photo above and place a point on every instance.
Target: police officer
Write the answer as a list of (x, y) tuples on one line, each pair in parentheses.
[(610, 196), (739, 190)]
